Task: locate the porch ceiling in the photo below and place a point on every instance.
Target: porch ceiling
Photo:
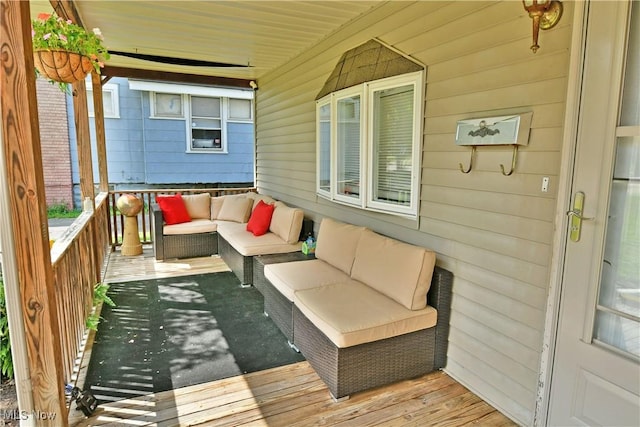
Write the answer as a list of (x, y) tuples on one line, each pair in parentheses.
[(261, 34)]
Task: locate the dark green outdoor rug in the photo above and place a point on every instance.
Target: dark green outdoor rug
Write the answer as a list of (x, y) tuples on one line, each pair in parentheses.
[(169, 333)]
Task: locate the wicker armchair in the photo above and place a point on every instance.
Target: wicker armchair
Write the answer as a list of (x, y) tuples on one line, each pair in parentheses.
[(180, 245)]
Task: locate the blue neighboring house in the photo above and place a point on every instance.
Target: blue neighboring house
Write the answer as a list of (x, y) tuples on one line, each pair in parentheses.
[(172, 135)]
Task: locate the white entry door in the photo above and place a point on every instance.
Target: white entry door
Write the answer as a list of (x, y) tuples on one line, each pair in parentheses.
[(596, 371)]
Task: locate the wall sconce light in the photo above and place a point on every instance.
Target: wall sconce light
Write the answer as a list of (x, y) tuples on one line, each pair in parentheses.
[(545, 15)]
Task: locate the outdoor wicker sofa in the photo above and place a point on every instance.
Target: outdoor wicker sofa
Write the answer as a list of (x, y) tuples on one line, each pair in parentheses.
[(218, 225), (368, 311), (195, 238)]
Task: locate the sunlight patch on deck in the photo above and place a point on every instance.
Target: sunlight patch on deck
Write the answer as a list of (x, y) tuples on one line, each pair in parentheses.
[(140, 267)]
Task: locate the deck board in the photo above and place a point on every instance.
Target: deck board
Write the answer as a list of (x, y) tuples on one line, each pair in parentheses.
[(291, 395)]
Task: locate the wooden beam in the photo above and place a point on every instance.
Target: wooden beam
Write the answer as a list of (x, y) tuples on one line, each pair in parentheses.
[(25, 181), (138, 73), (83, 140), (67, 10), (101, 143)]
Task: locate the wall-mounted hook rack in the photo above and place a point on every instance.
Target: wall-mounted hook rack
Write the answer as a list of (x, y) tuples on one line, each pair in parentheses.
[(500, 130), (473, 152), (514, 159)]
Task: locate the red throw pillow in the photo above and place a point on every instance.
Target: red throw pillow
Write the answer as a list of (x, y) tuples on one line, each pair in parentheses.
[(260, 218), (173, 209)]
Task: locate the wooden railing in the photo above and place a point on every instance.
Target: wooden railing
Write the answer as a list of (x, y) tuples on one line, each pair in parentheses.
[(116, 219), (78, 259)]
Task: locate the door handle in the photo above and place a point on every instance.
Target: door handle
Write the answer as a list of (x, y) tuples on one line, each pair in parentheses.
[(576, 217)]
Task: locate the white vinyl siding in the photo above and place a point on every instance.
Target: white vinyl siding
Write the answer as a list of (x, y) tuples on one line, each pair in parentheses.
[(493, 232)]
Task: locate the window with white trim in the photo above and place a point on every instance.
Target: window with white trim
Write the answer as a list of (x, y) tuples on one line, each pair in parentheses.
[(209, 113), (206, 124), (368, 145), (207, 117), (110, 101), (167, 105)]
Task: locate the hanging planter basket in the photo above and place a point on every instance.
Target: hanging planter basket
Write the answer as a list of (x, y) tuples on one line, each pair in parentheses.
[(61, 65)]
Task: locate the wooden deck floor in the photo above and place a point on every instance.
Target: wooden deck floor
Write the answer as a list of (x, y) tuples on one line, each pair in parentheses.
[(291, 395)]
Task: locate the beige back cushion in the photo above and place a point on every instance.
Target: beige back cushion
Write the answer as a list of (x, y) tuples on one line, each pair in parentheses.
[(237, 209), (286, 222), (198, 205), (398, 270), (216, 206), (257, 197), (337, 243)]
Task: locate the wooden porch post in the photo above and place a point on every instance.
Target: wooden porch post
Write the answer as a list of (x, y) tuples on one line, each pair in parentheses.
[(25, 184), (83, 140), (67, 10), (98, 114), (85, 161)]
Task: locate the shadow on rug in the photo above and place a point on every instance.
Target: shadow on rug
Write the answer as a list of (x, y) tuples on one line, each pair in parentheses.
[(169, 333)]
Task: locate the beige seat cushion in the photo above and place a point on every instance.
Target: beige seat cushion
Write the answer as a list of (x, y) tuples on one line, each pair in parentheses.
[(286, 222), (289, 277), (236, 209), (337, 242), (227, 228), (352, 313), (193, 227), (396, 269), (248, 245), (198, 205)]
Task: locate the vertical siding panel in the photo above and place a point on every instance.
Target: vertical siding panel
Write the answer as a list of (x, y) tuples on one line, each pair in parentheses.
[(493, 232)]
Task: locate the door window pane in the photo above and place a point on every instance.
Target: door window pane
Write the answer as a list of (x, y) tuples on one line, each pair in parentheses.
[(631, 97), (618, 316), (348, 143), (617, 320)]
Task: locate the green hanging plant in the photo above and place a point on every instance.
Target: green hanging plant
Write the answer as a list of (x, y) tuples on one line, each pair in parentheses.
[(65, 52)]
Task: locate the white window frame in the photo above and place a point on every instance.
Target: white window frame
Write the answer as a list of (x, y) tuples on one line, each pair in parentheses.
[(389, 83), (153, 114), (366, 91), (223, 126), (113, 90), (239, 119), (321, 191), (338, 96)]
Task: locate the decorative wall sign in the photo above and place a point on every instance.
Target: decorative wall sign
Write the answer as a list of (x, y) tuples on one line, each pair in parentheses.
[(502, 130)]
